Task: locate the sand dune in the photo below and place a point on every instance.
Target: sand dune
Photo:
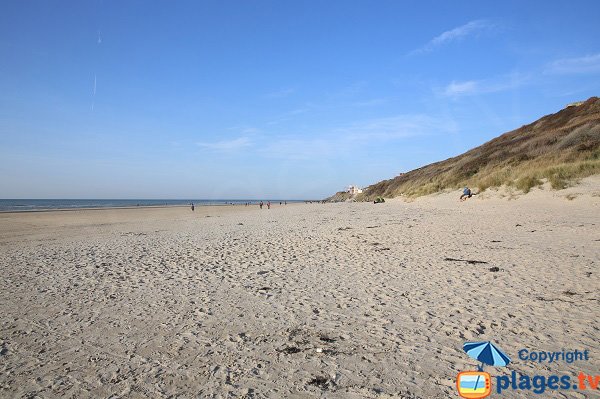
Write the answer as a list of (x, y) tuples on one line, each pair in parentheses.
[(349, 300)]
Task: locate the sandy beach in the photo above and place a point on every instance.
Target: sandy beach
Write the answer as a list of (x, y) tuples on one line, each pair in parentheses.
[(347, 300)]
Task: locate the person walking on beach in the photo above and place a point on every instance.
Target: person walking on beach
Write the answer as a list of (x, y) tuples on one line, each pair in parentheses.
[(192, 207), (466, 194), (261, 204), (269, 205)]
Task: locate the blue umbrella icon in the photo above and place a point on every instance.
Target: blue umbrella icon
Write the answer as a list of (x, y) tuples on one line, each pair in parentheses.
[(487, 353)]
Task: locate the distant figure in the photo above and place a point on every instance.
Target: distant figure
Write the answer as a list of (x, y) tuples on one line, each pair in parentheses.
[(285, 202), (269, 205), (261, 204), (466, 194), (279, 202), (193, 207)]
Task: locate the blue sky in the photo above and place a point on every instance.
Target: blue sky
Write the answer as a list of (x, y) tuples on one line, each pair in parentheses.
[(271, 99)]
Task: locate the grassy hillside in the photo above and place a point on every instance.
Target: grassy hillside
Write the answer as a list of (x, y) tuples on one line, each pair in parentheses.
[(340, 196), (560, 148)]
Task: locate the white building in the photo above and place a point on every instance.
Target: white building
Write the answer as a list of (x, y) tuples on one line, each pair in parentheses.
[(575, 104), (353, 190)]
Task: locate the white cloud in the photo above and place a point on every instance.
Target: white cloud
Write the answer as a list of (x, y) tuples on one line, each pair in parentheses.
[(460, 32), (586, 64), (474, 87), (461, 88), (227, 145)]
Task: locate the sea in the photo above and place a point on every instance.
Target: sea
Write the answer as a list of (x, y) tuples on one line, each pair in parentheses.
[(15, 205)]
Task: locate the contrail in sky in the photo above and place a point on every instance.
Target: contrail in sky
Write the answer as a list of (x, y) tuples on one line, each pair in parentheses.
[(99, 42), (94, 92)]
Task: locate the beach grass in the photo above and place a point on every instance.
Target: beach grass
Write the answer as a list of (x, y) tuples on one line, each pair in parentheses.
[(559, 148)]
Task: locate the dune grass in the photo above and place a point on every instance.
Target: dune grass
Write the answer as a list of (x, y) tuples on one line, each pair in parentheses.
[(558, 148), (530, 175)]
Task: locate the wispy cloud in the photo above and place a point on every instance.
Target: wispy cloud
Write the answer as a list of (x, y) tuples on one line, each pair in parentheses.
[(458, 33), (286, 116), (578, 65), (457, 89), (244, 130), (389, 128), (454, 89), (226, 145), (353, 138), (99, 42), (301, 148)]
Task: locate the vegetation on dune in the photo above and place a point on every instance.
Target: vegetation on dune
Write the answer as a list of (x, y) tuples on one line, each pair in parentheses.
[(559, 148), (340, 196)]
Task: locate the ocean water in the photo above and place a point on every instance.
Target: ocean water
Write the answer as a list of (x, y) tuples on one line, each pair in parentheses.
[(12, 205)]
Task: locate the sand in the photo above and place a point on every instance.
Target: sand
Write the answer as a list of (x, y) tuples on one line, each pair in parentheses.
[(349, 300)]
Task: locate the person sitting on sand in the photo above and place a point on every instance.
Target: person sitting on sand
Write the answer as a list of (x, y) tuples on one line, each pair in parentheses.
[(466, 194)]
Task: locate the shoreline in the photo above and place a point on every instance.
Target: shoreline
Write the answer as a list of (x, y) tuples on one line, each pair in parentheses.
[(134, 207), (95, 208)]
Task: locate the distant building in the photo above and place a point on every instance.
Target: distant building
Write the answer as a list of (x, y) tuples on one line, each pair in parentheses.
[(353, 190), (576, 104)]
